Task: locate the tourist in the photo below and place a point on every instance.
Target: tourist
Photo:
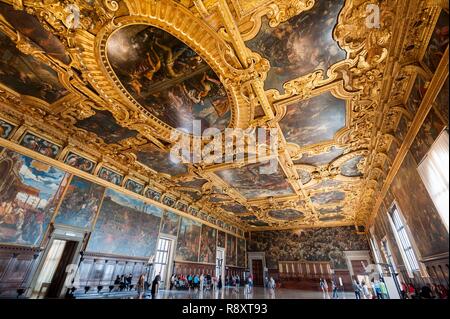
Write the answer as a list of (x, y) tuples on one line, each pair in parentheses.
[(219, 283), (357, 289), (377, 288), (155, 286), (322, 285), (366, 292), (272, 283), (202, 282), (172, 281), (334, 287), (140, 286), (383, 289)]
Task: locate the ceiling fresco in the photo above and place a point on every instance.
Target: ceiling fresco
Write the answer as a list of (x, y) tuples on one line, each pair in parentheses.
[(111, 92), (168, 78), (315, 120), (300, 45)]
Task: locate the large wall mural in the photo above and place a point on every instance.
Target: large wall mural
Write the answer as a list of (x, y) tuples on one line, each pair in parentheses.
[(300, 45), (208, 245), (230, 254), (168, 78), (80, 204), (241, 252), (322, 244), (29, 193), (26, 75), (421, 215), (315, 120), (169, 224), (123, 220), (188, 240), (438, 42), (160, 160)]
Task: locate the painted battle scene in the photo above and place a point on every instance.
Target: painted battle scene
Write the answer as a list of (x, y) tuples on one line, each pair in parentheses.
[(285, 214), (110, 176), (30, 27), (105, 126), (40, 145), (315, 120), (160, 161), (350, 167), (29, 193), (418, 209), (241, 252), (123, 220), (188, 242), (168, 78), (169, 223), (300, 45), (26, 75), (438, 42), (5, 129), (80, 162), (221, 240), (230, 254), (208, 245), (320, 244), (81, 202), (322, 158), (235, 208), (251, 183), (134, 186), (328, 197), (429, 131)]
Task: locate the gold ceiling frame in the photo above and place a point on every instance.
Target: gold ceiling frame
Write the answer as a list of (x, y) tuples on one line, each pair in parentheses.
[(177, 21)]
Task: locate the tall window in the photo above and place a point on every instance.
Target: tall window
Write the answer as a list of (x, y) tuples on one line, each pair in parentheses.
[(388, 254), (403, 240), (434, 172)]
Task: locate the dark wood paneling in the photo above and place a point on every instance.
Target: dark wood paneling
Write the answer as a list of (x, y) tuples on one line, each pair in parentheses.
[(182, 268)]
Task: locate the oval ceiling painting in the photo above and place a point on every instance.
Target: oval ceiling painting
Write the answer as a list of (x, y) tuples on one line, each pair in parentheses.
[(167, 78), (286, 214)]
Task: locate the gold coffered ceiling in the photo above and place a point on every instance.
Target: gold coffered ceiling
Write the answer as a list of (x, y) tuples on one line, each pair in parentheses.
[(113, 85)]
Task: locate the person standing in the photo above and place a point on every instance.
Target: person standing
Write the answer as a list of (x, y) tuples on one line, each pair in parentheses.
[(202, 282), (155, 286), (322, 285), (172, 281), (334, 287), (366, 291), (383, 290), (376, 287), (357, 289), (140, 286), (219, 283)]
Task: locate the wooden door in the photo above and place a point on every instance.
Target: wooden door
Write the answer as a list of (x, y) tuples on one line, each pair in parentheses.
[(258, 272)]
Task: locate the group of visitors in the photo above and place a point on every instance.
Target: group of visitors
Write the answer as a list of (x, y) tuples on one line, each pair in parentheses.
[(198, 282), (123, 282), (427, 291), (378, 290), (325, 288)]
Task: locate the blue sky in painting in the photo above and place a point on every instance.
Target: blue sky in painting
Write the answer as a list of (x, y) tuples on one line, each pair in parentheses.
[(40, 176), (137, 204)]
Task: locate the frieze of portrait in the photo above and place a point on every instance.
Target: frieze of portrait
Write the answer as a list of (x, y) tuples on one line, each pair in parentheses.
[(123, 220), (80, 162), (315, 120), (188, 243), (168, 78), (110, 176), (134, 186), (5, 129), (169, 201), (350, 167), (208, 245), (428, 133), (320, 244), (153, 194), (438, 42), (328, 197), (300, 45), (285, 214), (29, 26), (169, 224), (182, 206), (29, 193), (160, 160), (322, 158), (412, 197), (230, 254), (252, 184), (40, 145), (105, 126), (80, 204), (26, 75)]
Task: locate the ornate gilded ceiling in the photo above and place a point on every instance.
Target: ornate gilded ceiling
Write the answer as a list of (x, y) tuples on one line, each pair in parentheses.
[(110, 82)]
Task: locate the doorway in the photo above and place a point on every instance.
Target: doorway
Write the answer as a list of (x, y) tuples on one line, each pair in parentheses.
[(51, 279), (257, 272), (163, 260), (220, 264)]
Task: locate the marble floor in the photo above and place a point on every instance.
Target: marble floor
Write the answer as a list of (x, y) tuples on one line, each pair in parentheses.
[(257, 293)]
